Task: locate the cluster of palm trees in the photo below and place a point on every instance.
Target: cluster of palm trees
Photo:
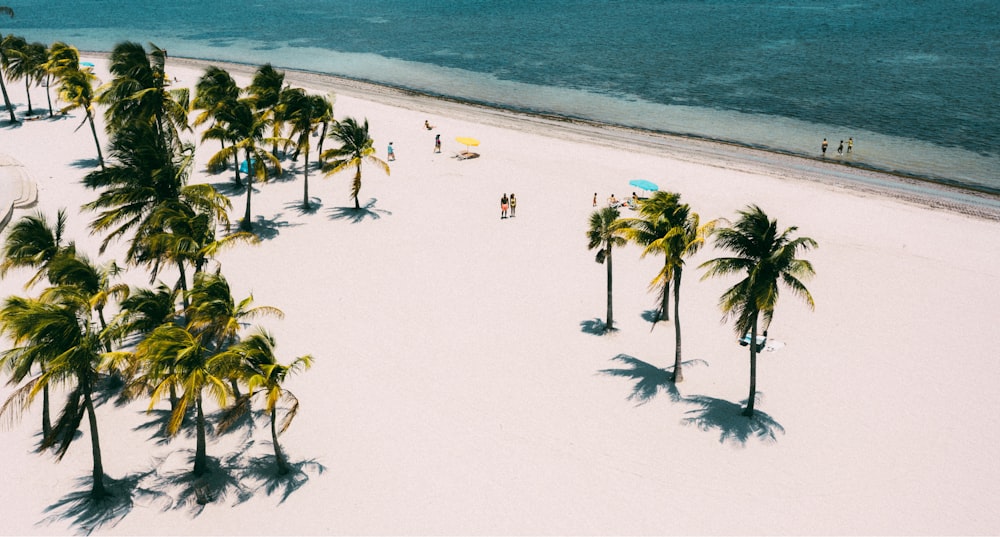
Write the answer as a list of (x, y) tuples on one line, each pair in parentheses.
[(764, 256), (181, 342)]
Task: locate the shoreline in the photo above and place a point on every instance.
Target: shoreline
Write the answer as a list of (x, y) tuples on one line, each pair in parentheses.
[(926, 191), (938, 193)]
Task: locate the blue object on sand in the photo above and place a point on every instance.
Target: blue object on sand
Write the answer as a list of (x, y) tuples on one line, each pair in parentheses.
[(244, 167), (644, 184)]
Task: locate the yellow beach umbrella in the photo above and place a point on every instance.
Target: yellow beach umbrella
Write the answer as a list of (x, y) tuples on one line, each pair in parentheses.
[(467, 142)]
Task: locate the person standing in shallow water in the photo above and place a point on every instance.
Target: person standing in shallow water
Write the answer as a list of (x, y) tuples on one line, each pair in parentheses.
[(504, 203), (850, 145), (513, 205), (824, 146), (840, 148)]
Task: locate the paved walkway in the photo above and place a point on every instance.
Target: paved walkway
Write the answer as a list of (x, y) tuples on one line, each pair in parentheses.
[(17, 189)]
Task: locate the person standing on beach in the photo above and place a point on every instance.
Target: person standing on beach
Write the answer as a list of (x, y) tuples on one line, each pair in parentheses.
[(595, 199), (513, 205), (850, 145), (840, 148), (503, 206), (823, 146), (392, 154), (437, 143)]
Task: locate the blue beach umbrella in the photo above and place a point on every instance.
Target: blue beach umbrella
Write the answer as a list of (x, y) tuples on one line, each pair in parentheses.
[(244, 167), (644, 184)]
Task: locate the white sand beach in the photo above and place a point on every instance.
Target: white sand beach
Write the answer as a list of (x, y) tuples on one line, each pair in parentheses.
[(457, 389)]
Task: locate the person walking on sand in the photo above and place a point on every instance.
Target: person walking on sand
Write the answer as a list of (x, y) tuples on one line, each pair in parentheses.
[(850, 145), (823, 146), (503, 206), (595, 199), (437, 143), (513, 205), (840, 148), (392, 154)]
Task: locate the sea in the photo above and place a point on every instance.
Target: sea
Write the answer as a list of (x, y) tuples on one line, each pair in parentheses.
[(914, 83)]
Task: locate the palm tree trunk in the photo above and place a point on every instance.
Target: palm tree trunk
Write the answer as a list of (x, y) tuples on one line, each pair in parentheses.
[(245, 224), (305, 189), (182, 284), (357, 186), (665, 305), (93, 130), (322, 136), (610, 321), (236, 388), (30, 111), (48, 93), (753, 368), (200, 455), (46, 419), (6, 100), (678, 374), (97, 490), (104, 325), (278, 456)]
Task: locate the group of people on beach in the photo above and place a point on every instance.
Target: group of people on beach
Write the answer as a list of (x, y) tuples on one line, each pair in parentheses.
[(391, 151), (614, 203), (508, 206), (840, 148)]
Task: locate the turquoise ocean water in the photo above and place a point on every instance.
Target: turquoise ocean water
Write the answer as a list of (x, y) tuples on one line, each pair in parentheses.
[(916, 83)]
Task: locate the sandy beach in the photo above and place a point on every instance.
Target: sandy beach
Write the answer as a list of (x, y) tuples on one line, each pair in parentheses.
[(458, 388)]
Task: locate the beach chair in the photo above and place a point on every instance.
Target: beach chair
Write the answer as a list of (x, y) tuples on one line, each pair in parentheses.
[(761, 340)]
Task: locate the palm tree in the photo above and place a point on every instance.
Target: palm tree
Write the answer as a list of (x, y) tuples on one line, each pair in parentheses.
[(141, 177), (176, 357), (247, 129), (77, 91), (265, 96), (264, 376), (60, 60), (57, 329), (4, 10), (678, 234), (216, 317), (356, 148), (33, 243), (20, 63), (649, 231), (214, 91), (606, 232), (304, 112), (766, 258), (138, 93)]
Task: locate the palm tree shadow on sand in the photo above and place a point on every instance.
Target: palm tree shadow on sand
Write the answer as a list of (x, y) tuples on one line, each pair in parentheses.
[(367, 210), (267, 229), (711, 414), (649, 379), (727, 417), (314, 205), (89, 514), (595, 327)]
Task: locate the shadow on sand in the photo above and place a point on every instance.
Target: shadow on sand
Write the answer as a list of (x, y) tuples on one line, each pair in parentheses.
[(269, 228), (89, 514), (86, 163), (367, 210), (595, 327), (727, 418), (710, 414), (314, 205)]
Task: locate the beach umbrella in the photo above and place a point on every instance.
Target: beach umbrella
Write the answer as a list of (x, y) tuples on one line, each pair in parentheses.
[(467, 142), (644, 184), (244, 168)]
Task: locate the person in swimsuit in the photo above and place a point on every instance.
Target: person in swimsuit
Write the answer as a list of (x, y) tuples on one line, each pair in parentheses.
[(392, 154), (503, 206), (513, 205), (437, 143)]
